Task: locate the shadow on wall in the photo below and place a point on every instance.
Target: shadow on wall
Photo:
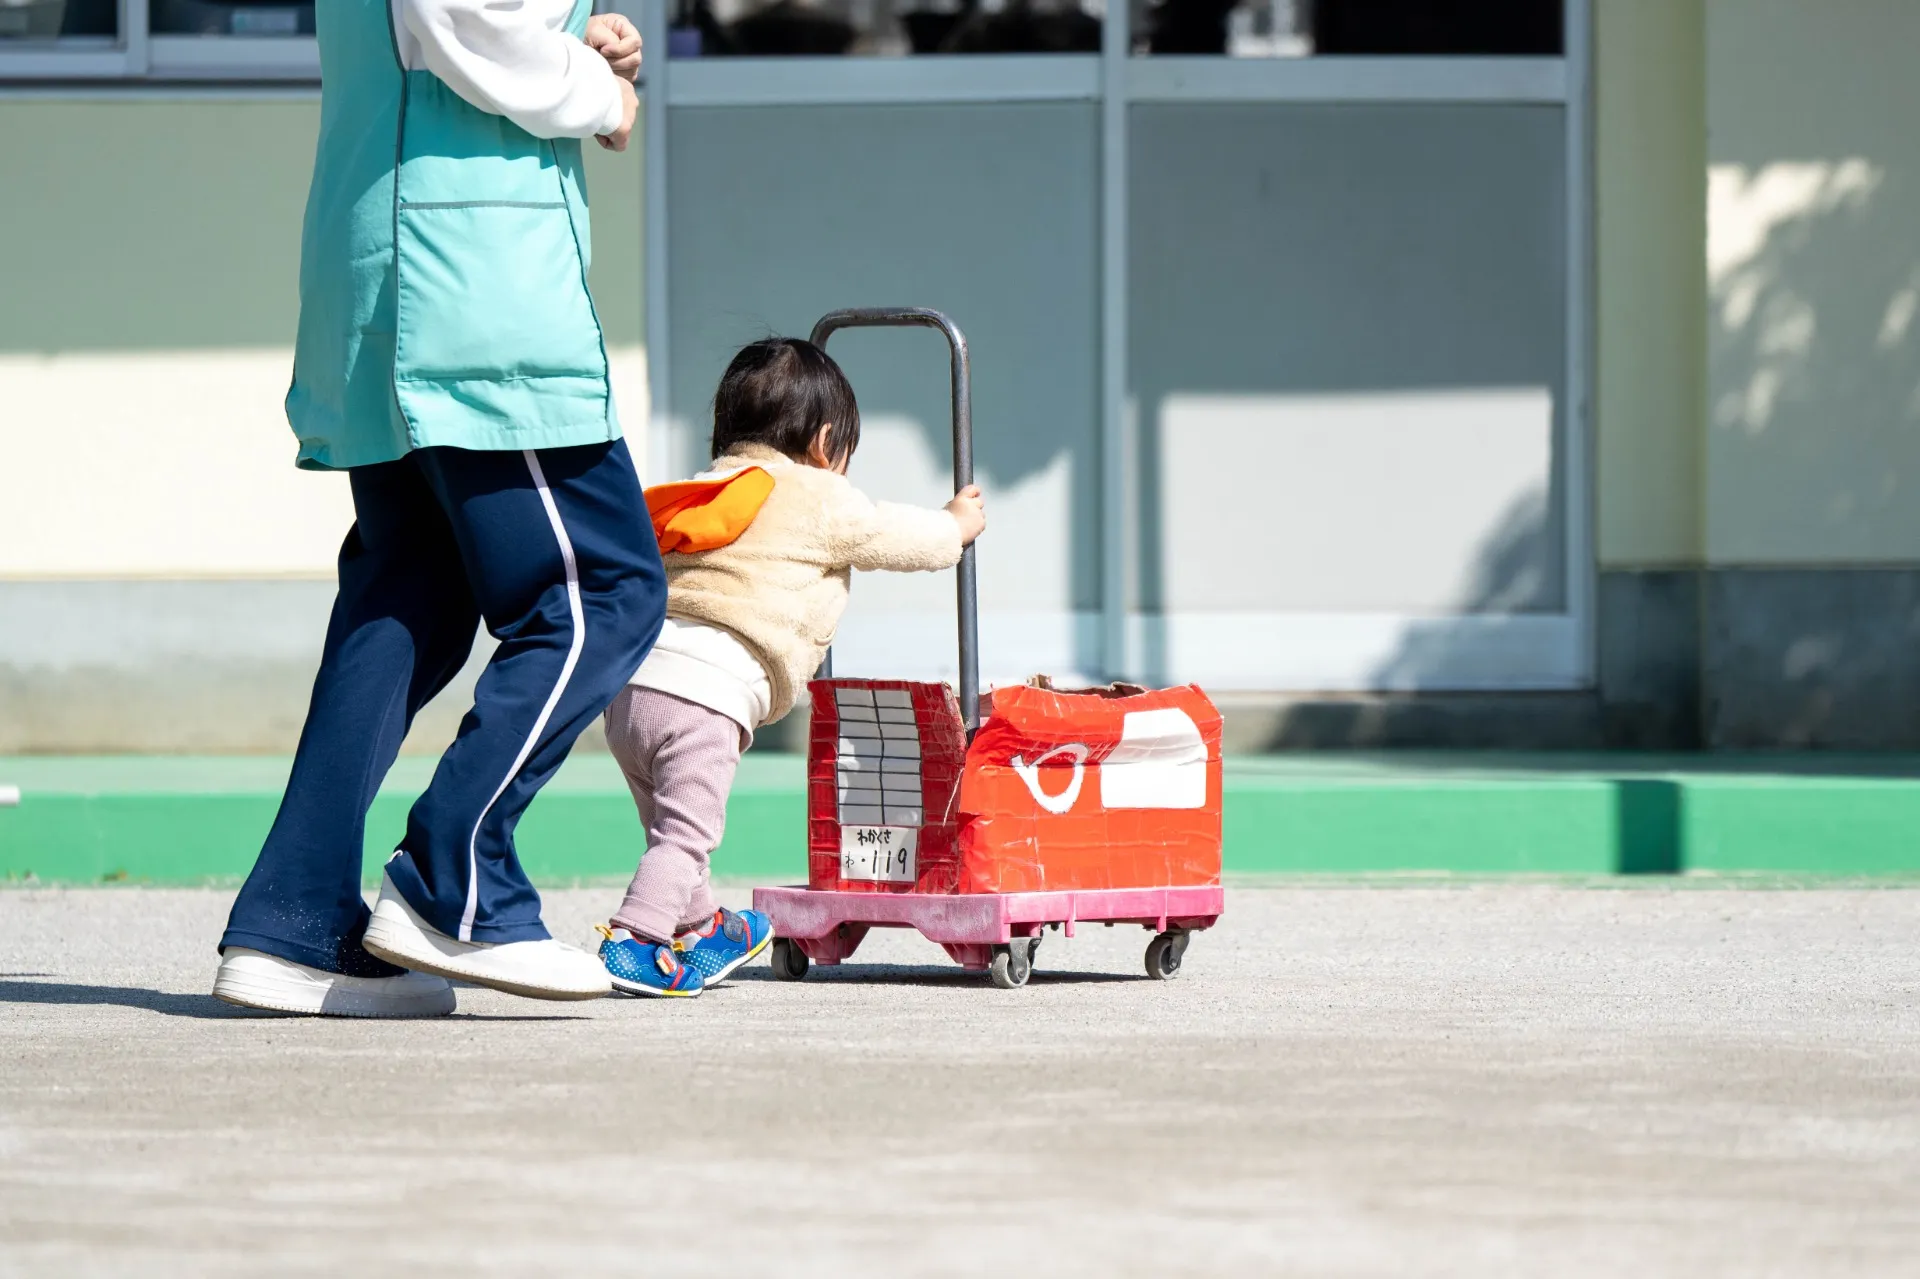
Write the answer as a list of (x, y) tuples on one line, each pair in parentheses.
[(779, 216), (1344, 410), (1508, 578), (1814, 270), (1814, 454), (1807, 634), (1506, 584)]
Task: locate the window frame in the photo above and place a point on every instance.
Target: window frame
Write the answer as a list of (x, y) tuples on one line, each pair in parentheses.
[(140, 57), (1536, 652)]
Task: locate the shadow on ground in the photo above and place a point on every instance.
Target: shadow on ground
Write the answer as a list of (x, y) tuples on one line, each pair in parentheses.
[(205, 1007), (154, 1001)]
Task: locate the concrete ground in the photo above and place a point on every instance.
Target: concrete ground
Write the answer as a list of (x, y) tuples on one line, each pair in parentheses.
[(1486, 1079)]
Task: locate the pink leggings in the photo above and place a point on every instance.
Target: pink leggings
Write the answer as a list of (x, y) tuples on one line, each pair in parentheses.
[(679, 758)]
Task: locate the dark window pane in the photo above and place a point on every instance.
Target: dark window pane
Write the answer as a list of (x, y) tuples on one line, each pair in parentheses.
[(1387, 27), (91, 18), (45, 19), (231, 18), (831, 28), (1380, 28)]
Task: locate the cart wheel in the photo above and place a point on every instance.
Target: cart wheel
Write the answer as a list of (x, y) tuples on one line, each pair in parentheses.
[(789, 961), (1012, 964), (1164, 952)]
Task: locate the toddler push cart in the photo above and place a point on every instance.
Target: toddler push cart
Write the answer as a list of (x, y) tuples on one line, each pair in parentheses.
[(983, 824)]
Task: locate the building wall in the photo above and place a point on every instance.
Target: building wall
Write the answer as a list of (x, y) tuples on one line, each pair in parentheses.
[(1759, 382), (1811, 609), (1813, 249), (1757, 283), (146, 339), (1757, 394), (1650, 281), (165, 572), (147, 334)]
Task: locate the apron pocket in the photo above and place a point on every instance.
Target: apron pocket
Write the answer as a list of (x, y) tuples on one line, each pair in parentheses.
[(492, 289)]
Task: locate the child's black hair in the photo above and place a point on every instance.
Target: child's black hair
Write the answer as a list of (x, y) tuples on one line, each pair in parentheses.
[(780, 392)]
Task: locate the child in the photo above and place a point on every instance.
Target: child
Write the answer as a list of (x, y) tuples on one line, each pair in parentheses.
[(759, 550)]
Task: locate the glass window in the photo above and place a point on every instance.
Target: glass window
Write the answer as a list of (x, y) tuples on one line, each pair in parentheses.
[(231, 18), (1378, 28), (24, 21), (87, 41), (887, 28)]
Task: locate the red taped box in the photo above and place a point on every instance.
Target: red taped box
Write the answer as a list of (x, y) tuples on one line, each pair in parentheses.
[(883, 769), (1058, 790)]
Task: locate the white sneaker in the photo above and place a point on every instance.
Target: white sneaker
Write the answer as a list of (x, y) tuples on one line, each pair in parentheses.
[(536, 969), (253, 979)]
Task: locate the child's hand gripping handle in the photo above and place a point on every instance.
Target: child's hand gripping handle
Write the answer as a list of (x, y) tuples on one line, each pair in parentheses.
[(968, 592)]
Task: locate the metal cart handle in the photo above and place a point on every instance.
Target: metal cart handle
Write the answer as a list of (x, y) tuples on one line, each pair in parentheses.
[(967, 590)]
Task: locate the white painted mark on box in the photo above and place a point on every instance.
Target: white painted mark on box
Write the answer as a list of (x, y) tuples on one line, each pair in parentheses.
[(1161, 762)]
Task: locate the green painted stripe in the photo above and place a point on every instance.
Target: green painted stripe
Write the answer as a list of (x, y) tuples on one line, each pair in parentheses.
[(193, 819)]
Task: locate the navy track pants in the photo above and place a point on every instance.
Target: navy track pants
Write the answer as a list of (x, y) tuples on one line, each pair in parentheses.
[(554, 549)]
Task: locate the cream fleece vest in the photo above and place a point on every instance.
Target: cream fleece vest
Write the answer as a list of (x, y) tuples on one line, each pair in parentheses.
[(781, 587)]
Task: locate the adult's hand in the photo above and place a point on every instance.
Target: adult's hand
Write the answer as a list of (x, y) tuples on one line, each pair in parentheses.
[(629, 108), (617, 40)]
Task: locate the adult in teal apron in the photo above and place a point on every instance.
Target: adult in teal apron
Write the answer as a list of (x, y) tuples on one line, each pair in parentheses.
[(450, 360)]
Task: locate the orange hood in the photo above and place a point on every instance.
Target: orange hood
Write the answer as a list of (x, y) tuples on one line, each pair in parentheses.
[(702, 515)]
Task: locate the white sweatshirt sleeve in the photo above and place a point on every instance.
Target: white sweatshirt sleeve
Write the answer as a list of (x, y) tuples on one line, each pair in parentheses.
[(513, 58)]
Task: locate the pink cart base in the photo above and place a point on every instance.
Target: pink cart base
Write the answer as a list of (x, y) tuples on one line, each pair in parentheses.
[(828, 926)]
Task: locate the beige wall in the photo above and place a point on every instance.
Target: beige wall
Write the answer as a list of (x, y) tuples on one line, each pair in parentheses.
[(1813, 434), (1650, 281), (146, 325), (1758, 282)]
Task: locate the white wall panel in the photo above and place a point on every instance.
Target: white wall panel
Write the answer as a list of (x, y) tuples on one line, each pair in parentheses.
[(1348, 356)]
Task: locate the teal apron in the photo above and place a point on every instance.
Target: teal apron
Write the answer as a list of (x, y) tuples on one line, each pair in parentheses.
[(443, 268)]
